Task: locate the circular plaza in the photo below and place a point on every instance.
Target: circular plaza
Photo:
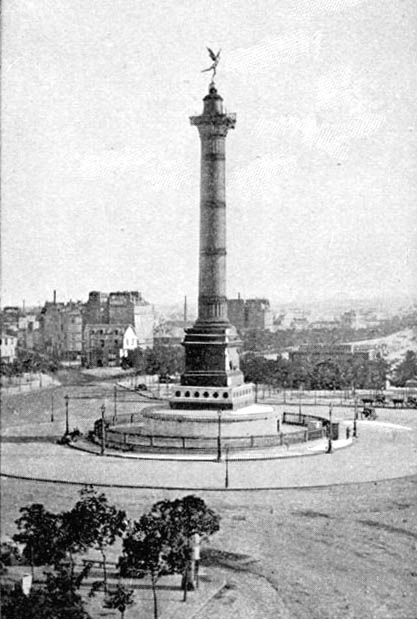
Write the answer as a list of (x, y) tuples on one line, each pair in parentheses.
[(385, 448)]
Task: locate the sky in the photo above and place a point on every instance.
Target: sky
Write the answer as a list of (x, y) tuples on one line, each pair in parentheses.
[(100, 164)]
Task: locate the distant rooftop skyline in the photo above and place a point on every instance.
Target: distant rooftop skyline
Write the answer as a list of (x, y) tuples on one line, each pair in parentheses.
[(101, 166)]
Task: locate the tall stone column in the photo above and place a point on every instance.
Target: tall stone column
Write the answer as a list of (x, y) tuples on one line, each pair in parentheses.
[(213, 126), (211, 345)]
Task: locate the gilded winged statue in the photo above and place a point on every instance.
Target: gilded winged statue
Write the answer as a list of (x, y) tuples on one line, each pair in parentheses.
[(215, 58)]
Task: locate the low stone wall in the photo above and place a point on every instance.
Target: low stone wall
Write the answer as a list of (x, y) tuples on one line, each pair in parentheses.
[(26, 382), (125, 441)]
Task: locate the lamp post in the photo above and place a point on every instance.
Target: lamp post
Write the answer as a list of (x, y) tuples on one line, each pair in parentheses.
[(226, 478), (103, 430), (330, 445), (219, 436), (66, 415), (52, 407), (355, 429), (115, 402), (196, 557)]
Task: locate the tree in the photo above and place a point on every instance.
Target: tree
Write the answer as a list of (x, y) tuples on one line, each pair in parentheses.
[(146, 549), (120, 599), (186, 517), (58, 599), (159, 543), (164, 360), (406, 370), (41, 533), (94, 523), (326, 375)]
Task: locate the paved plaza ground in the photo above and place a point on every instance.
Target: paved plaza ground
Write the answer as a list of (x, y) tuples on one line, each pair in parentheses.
[(336, 538)]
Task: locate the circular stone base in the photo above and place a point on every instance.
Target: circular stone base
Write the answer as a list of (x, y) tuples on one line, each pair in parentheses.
[(251, 420), (167, 430)]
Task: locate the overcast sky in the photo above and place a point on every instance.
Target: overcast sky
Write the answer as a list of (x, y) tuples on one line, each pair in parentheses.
[(101, 165)]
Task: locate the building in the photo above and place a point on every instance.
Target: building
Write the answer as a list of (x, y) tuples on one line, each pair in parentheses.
[(72, 320), (105, 344), (250, 314), (96, 308), (51, 328), (258, 314), (10, 318), (60, 330), (316, 353), (122, 307), (236, 312), (324, 325), (28, 332), (8, 345), (292, 318), (130, 341), (144, 321), (170, 332), (348, 320)]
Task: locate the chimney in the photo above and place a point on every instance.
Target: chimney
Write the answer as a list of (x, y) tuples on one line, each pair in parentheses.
[(185, 312), (54, 297)]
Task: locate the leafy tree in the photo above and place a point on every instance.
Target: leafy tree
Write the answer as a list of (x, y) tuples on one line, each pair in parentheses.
[(326, 375), (136, 359), (164, 360), (406, 370), (94, 523), (120, 599), (186, 517), (299, 374), (41, 533), (58, 599), (146, 549), (159, 543)]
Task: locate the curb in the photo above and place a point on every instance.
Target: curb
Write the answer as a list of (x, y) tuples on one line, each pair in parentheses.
[(206, 489), (171, 458)]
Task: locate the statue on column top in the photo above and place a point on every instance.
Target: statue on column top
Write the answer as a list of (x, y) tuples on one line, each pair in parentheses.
[(215, 58)]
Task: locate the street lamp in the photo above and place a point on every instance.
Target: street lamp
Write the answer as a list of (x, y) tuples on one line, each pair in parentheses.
[(103, 430), (66, 415), (355, 429), (115, 403), (226, 479), (219, 436), (330, 445)]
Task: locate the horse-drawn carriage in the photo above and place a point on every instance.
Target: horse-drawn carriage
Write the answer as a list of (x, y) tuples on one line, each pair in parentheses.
[(378, 400), (368, 412)]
